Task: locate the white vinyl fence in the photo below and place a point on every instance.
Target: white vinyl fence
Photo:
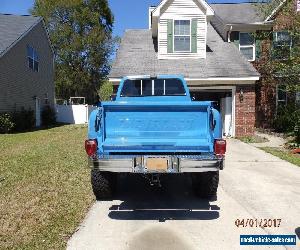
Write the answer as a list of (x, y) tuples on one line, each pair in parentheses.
[(74, 114)]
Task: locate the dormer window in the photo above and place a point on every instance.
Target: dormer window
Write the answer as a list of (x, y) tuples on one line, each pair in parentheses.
[(182, 35), (180, 28)]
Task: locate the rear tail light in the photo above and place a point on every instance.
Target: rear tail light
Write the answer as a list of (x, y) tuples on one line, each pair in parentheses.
[(91, 147), (220, 147)]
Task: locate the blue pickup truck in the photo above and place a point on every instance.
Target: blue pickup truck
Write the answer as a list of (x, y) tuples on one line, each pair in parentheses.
[(154, 128)]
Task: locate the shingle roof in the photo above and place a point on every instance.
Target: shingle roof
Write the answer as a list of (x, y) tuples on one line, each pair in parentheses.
[(137, 56), (238, 13), (12, 27)]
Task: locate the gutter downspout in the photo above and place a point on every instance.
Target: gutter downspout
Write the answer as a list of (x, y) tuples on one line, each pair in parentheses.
[(229, 33)]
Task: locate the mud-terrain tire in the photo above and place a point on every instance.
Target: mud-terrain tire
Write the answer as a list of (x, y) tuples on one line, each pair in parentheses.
[(103, 184), (206, 184)]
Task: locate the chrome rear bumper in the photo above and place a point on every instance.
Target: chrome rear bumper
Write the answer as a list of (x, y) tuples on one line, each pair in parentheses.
[(175, 165)]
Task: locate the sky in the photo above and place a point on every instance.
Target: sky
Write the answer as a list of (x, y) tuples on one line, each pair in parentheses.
[(129, 14)]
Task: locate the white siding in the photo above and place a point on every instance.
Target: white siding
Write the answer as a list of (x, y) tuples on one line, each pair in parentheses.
[(182, 9)]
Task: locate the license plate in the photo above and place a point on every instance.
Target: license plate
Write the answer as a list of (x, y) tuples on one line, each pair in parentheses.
[(157, 163)]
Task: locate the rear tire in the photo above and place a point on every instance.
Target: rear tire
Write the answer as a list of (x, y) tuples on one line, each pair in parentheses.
[(103, 184), (206, 184)]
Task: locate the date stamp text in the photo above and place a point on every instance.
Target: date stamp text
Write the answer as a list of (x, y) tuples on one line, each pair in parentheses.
[(258, 223)]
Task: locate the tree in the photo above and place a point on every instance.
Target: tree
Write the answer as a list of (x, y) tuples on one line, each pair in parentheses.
[(81, 36), (105, 92)]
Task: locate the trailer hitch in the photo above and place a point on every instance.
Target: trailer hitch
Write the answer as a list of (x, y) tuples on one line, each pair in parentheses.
[(154, 180)]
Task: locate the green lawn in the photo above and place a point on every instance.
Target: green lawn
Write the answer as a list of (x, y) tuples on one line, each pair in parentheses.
[(292, 158), (44, 187)]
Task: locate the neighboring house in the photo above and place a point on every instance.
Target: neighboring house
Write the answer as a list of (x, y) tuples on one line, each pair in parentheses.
[(26, 65), (181, 40)]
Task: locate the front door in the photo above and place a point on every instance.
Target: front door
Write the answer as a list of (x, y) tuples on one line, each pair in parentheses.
[(37, 112)]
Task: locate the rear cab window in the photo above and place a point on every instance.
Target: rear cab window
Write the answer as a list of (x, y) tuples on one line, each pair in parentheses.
[(153, 87)]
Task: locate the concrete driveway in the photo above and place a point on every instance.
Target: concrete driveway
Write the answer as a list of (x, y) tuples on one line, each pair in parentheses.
[(254, 185)]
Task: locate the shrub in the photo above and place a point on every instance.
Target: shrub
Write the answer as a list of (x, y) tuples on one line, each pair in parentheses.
[(286, 119), (297, 132), (6, 123), (48, 116), (24, 120), (106, 90)]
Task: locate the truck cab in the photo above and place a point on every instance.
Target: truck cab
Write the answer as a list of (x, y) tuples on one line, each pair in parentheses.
[(153, 127)]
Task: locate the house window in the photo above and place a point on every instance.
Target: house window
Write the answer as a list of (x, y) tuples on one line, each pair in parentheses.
[(182, 35), (33, 58), (247, 46), (281, 95), (282, 44)]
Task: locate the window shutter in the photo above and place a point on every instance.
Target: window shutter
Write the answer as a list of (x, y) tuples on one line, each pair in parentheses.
[(257, 48), (194, 36), (295, 44), (274, 44), (170, 36), (274, 41), (235, 38)]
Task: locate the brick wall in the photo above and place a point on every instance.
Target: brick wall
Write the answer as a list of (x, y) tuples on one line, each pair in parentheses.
[(266, 104), (245, 111), (265, 88), (285, 18)]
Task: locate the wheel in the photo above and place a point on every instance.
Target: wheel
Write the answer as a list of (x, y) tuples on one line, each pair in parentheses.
[(206, 184), (103, 184)]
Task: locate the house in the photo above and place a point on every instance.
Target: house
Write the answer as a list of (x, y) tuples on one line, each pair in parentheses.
[(237, 23), (272, 92), (242, 25), (26, 65), (182, 39)]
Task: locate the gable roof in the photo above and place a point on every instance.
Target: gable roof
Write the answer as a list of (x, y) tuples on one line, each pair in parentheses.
[(238, 17), (238, 13), (275, 11), (13, 28), (137, 56), (204, 4)]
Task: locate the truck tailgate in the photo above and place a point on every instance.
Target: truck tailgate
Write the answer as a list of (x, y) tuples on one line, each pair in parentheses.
[(156, 127)]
